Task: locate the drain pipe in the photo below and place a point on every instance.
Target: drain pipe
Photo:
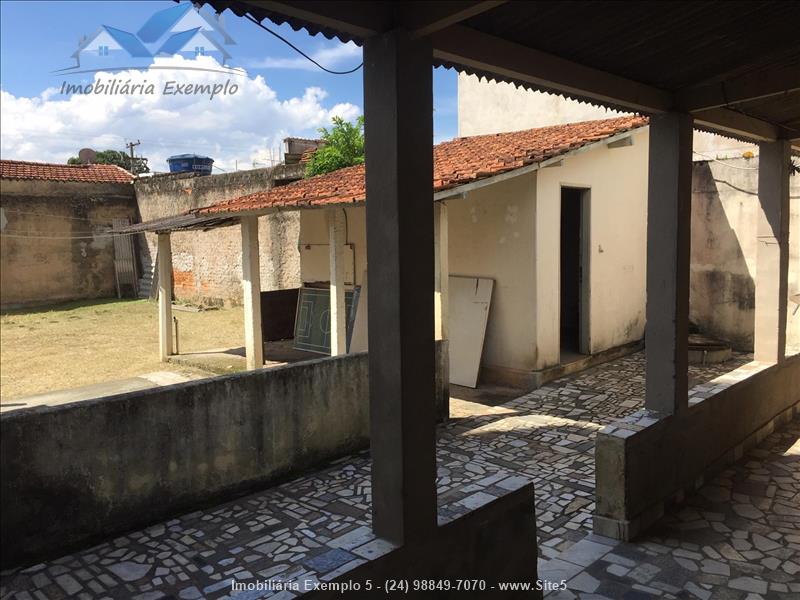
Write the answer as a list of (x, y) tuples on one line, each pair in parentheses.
[(177, 347)]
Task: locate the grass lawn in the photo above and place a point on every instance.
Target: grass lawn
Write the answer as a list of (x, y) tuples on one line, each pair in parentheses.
[(82, 343)]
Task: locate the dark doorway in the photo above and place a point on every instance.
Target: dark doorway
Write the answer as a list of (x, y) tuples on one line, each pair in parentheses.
[(571, 271)]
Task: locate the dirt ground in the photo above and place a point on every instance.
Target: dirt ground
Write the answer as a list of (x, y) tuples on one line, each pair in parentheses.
[(82, 343)]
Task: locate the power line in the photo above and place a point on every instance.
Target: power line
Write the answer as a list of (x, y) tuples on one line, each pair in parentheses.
[(300, 52)]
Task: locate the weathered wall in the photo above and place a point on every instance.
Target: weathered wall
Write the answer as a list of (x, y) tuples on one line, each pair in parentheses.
[(67, 258), (81, 471), (491, 107), (616, 256), (207, 264), (491, 234), (723, 267)]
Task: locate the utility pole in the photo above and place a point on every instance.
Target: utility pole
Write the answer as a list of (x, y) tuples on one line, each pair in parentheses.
[(131, 146)]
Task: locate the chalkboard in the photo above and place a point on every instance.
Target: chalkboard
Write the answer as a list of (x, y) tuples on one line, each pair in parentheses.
[(312, 328)]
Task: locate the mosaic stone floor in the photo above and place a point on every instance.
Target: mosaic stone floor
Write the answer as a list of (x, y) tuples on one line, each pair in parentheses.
[(738, 538), (316, 527)]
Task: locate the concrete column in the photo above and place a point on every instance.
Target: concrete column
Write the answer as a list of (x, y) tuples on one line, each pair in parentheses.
[(251, 291), (164, 259), (669, 207), (336, 239), (398, 99), (441, 269), (772, 258)]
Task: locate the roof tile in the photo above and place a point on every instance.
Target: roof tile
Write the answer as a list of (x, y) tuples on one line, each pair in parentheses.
[(455, 163), (18, 169)]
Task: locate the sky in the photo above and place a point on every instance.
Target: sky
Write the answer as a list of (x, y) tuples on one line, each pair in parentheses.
[(278, 94)]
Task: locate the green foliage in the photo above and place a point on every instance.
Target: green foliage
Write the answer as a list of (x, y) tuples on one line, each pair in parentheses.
[(344, 147), (116, 157)]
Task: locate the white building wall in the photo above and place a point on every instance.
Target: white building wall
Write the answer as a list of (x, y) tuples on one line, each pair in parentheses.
[(492, 107), (491, 234), (617, 180)]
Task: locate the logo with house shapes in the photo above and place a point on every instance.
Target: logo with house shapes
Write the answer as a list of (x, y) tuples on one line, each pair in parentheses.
[(182, 30)]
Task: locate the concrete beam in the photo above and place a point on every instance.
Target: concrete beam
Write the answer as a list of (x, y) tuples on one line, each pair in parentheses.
[(336, 237), (669, 204), (753, 86), (164, 258), (251, 292), (426, 18), (441, 270), (772, 257), (398, 96), (480, 51)]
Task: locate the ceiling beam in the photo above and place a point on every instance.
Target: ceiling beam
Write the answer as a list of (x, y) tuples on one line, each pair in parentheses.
[(754, 86), (731, 122), (426, 18), (483, 52)]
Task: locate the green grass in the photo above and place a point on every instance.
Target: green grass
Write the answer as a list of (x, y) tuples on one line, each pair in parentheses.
[(81, 343)]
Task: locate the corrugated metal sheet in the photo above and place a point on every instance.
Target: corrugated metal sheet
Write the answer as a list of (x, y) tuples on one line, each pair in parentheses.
[(184, 222)]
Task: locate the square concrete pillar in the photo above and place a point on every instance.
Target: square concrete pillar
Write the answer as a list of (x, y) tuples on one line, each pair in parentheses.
[(772, 258), (398, 99), (441, 270), (164, 259), (336, 235), (669, 207), (251, 294)]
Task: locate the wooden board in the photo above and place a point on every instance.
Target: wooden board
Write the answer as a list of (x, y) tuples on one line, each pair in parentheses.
[(470, 299)]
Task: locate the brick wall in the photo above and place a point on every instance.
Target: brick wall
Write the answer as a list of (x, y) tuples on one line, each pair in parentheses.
[(207, 265)]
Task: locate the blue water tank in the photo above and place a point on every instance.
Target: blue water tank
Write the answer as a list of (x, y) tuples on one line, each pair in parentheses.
[(190, 163)]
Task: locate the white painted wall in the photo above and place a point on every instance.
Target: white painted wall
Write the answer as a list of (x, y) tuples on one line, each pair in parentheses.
[(491, 234), (491, 107), (617, 179), (314, 231)]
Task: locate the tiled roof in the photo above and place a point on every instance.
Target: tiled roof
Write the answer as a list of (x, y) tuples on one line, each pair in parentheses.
[(455, 163), (18, 169)]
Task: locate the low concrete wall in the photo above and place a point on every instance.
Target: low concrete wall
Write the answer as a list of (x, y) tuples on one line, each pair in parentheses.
[(74, 473), (644, 462), (491, 545)]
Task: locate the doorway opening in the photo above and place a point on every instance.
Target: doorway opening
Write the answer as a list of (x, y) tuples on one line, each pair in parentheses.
[(573, 274)]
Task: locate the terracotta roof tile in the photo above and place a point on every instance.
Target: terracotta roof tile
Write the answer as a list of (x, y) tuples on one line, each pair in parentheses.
[(456, 162), (18, 169)]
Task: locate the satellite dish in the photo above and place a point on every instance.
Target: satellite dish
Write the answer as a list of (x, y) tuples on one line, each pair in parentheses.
[(87, 156)]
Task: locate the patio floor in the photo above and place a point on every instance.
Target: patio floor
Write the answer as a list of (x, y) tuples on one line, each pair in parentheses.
[(318, 526)]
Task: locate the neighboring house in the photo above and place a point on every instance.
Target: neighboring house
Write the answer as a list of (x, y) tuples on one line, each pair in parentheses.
[(178, 30), (53, 220), (548, 214)]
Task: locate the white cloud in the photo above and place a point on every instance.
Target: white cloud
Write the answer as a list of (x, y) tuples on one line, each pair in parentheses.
[(332, 57), (244, 126)]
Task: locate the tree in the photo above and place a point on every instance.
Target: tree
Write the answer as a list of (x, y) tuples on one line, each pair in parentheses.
[(343, 147), (119, 158)]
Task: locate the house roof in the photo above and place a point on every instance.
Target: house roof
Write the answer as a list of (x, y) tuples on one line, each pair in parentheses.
[(128, 41), (457, 162), (158, 24), (18, 169)]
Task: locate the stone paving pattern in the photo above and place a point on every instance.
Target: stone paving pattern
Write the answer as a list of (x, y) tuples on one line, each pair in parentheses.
[(318, 526)]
